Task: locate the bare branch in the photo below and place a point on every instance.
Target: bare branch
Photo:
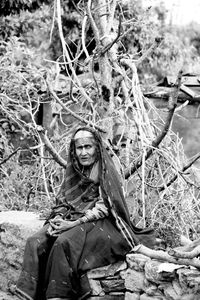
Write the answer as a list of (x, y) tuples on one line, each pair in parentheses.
[(9, 156), (171, 106), (153, 47), (183, 170), (180, 254), (73, 113), (106, 48), (164, 256), (50, 148), (82, 91)]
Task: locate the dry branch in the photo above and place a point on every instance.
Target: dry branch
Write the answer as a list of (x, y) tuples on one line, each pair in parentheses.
[(9, 156), (180, 254), (171, 107), (50, 148), (181, 171), (164, 256), (151, 49), (73, 113)]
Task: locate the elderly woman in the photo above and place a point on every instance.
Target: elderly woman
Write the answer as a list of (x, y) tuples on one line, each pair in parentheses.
[(90, 227)]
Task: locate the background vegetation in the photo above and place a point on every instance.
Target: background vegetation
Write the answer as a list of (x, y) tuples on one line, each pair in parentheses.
[(30, 45)]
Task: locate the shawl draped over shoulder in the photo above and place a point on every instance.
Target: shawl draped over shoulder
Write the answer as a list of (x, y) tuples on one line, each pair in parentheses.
[(79, 193)]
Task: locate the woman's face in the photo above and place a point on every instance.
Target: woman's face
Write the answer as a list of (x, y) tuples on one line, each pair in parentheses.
[(85, 149)]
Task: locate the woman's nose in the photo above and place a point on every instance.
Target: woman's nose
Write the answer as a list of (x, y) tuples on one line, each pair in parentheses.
[(83, 152)]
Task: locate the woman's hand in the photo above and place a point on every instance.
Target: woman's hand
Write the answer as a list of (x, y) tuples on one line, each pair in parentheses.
[(58, 225)]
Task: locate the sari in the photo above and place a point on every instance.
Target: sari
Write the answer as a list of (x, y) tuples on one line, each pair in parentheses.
[(57, 266)]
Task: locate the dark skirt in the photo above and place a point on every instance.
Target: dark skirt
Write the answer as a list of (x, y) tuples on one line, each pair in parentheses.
[(56, 267)]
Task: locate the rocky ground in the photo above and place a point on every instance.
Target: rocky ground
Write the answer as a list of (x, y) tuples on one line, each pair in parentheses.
[(15, 227)]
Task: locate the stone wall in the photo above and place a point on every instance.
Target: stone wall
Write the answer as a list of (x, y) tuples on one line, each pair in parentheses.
[(141, 278)]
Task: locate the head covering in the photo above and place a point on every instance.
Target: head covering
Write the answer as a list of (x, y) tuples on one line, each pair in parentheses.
[(83, 134), (77, 188)]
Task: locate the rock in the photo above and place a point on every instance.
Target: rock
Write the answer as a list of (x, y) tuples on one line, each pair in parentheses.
[(189, 280), (7, 296), (15, 227), (170, 293), (111, 285), (151, 289), (96, 287), (109, 270), (146, 297), (107, 297), (132, 296), (177, 287), (28, 221), (190, 297), (153, 273), (134, 281), (137, 261)]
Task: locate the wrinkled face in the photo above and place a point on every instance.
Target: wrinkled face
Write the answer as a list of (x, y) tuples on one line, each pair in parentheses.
[(85, 148)]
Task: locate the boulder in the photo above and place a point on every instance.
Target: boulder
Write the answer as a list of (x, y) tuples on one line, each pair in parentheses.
[(15, 228)]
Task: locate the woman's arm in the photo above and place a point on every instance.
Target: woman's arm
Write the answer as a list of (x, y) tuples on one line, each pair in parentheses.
[(99, 211)]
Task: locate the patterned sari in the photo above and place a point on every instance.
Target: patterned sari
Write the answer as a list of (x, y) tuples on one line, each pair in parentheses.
[(56, 266)]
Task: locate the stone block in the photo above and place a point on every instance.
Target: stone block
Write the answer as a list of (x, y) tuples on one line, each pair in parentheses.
[(132, 296), (146, 297), (189, 280), (170, 293), (153, 273), (137, 261), (110, 285), (109, 270), (134, 281), (96, 287)]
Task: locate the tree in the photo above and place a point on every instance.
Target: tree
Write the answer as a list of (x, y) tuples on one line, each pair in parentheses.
[(107, 96)]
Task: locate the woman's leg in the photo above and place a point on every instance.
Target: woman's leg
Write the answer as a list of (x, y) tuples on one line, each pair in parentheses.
[(78, 250), (61, 273), (36, 253)]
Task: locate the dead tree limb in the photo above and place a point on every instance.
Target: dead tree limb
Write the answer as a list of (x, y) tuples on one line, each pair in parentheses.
[(171, 108), (164, 256), (73, 113), (151, 49), (106, 48), (190, 246), (181, 254), (50, 147), (182, 171), (9, 156)]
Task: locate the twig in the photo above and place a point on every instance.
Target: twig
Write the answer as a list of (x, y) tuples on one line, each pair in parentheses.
[(92, 22), (83, 37), (151, 49), (73, 113), (171, 106), (183, 170), (50, 148), (107, 47), (81, 89), (9, 156)]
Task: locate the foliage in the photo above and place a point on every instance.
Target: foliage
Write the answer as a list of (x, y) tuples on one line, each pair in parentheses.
[(24, 88), (21, 83), (8, 7)]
